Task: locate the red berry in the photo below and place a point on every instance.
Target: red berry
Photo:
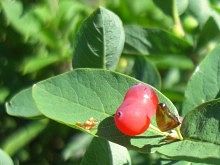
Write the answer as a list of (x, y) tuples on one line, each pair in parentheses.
[(130, 120), (133, 115), (144, 95)]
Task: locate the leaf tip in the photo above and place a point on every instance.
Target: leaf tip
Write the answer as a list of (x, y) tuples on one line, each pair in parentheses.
[(33, 87), (8, 106)]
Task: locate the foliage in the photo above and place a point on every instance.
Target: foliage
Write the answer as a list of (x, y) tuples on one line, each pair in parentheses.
[(66, 62)]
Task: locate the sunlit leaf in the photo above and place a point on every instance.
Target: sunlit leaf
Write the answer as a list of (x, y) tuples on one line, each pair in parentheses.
[(204, 85), (100, 41), (75, 97), (23, 105)]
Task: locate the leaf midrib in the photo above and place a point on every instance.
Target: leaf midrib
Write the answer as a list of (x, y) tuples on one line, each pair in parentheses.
[(103, 38)]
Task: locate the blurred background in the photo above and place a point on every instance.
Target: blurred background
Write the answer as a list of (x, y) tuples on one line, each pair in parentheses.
[(37, 42)]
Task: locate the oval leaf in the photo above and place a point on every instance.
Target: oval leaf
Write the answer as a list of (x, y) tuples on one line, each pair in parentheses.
[(102, 151), (203, 123), (192, 151), (5, 158), (77, 96), (146, 41), (22, 105), (100, 41), (204, 84)]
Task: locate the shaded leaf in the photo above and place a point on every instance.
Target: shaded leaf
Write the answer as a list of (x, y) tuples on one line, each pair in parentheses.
[(74, 97), (77, 146), (138, 158), (203, 123), (174, 94), (192, 151), (204, 85), (145, 71), (200, 129), (209, 32), (202, 10), (24, 22), (23, 136), (175, 61), (179, 162), (146, 41), (102, 152), (5, 158), (36, 63), (4, 92), (167, 6), (100, 41), (23, 105), (171, 78)]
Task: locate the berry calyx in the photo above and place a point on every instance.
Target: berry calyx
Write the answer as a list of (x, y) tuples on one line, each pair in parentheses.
[(134, 114)]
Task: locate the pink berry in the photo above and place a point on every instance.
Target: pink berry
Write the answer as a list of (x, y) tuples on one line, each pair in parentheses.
[(134, 114), (144, 95)]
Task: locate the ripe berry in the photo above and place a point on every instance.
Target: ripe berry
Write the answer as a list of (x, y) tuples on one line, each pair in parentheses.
[(134, 114), (145, 96)]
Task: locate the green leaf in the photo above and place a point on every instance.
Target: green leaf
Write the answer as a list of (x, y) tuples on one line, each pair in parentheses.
[(23, 105), (77, 146), (202, 10), (192, 151), (5, 158), (203, 123), (102, 152), (138, 158), (4, 92), (146, 41), (166, 6), (167, 61), (36, 63), (145, 71), (200, 129), (100, 41), (204, 84), (78, 95), (24, 22), (23, 136), (178, 162), (174, 94), (209, 32)]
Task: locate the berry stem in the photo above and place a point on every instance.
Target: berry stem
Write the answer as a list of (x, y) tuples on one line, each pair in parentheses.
[(178, 29), (177, 129), (157, 130)]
